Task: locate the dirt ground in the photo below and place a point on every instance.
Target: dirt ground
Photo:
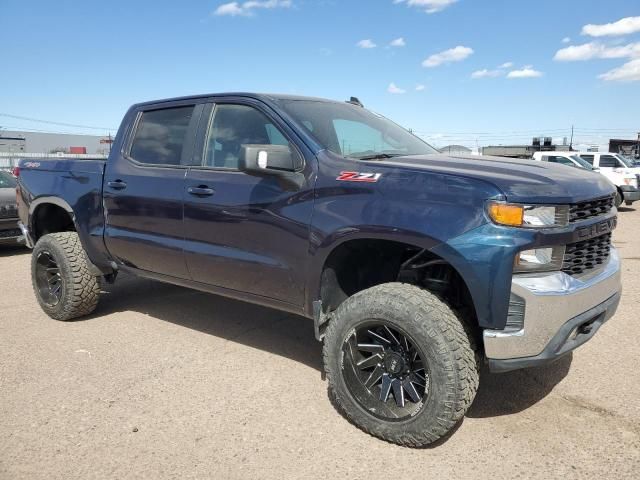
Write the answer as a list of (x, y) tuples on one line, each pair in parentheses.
[(164, 382)]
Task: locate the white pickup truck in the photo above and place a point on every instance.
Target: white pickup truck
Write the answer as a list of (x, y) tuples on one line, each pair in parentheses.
[(616, 168)]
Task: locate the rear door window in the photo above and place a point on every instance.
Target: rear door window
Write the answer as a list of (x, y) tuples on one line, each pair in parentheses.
[(161, 136), (609, 161)]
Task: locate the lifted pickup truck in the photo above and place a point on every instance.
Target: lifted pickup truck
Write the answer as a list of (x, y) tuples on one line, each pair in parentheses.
[(414, 266)]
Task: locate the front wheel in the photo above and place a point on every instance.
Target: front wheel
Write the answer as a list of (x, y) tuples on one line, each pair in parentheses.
[(619, 198), (400, 364), (63, 285)]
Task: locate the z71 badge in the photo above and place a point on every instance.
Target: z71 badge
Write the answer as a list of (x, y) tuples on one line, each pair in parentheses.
[(359, 177)]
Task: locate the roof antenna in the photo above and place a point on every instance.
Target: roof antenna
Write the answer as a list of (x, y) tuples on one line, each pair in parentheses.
[(355, 101)]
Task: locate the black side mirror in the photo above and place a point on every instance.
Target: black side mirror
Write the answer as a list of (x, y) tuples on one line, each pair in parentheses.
[(274, 160)]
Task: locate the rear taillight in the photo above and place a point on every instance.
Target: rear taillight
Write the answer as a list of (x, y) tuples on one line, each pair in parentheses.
[(16, 171)]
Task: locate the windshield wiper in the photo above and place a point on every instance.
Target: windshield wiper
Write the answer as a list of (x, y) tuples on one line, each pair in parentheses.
[(378, 156)]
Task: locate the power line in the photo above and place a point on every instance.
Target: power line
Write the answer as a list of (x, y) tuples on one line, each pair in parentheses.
[(29, 119), (15, 128)]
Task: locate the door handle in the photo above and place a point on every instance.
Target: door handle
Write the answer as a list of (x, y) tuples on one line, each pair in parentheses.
[(117, 185), (201, 191)]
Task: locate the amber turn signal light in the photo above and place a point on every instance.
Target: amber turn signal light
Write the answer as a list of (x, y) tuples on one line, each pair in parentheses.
[(506, 214)]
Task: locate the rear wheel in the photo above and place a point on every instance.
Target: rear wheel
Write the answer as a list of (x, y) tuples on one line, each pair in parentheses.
[(400, 364), (60, 275)]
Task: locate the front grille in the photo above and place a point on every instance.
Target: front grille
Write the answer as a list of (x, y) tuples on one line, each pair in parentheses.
[(10, 233), (592, 208), (8, 211), (583, 256)]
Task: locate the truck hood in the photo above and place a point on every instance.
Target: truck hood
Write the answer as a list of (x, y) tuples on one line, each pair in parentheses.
[(7, 196), (522, 181)]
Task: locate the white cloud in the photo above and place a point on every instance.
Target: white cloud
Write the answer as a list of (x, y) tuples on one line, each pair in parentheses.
[(398, 42), (525, 72), (624, 26), (485, 73), (629, 72), (589, 51), (566, 40), (366, 44), (392, 88), (497, 72), (420, 88), (429, 6), (246, 9), (456, 54)]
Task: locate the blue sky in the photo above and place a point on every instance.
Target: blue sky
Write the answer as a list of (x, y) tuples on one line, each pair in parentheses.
[(85, 62)]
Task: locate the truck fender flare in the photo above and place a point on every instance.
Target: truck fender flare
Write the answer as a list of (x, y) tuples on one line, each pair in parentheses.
[(54, 201), (50, 201), (334, 240)]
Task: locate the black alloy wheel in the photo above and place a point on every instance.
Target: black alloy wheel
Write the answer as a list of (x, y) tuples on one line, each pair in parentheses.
[(49, 280), (385, 371)]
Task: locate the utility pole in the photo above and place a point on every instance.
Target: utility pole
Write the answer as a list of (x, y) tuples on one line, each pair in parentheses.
[(571, 142)]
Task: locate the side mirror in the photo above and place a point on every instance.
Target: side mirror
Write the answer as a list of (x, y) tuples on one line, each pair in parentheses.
[(267, 160), (279, 161)]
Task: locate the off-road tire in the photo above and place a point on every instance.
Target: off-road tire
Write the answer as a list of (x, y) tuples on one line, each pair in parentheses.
[(81, 290), (619, 198), (441, 336)]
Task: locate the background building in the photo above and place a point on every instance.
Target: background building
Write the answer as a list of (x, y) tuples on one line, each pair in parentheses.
[(625, 147), (456, 150), (39, 142), (525, 151), (15, 145)]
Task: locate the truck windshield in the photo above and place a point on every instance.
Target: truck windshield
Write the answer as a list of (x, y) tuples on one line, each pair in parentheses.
[(354, 132), (626, 161), (7, 180), (584, 164)]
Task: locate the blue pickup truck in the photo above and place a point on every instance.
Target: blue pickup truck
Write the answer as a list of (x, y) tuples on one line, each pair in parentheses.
[(415, 267)]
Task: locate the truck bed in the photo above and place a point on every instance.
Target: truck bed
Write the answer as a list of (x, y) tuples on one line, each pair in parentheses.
[(69, 183)]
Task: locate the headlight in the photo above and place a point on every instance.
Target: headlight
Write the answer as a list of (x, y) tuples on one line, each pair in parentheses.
[(528, 216), (539, 260)]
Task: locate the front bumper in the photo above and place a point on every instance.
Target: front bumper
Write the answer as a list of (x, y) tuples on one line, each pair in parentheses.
[(561, 313), (630, 194), (10, 233)]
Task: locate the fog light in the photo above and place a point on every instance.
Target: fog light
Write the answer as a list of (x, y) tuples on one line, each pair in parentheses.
[(539, 260)]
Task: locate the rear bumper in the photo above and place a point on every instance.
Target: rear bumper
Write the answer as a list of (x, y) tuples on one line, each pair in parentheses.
[(561, 313)]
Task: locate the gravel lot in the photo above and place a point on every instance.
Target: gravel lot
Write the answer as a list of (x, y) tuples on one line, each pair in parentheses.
[(164, 382)]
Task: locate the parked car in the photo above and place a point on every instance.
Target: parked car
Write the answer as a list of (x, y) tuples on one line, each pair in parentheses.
[(620, 171), (625, 180), (10, 233), (414, 266), (570, 159)]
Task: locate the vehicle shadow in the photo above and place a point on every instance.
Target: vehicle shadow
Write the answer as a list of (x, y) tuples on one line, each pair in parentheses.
[(292, 337), (512, 392), (11, 250), (626, 209), (259, 327)]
